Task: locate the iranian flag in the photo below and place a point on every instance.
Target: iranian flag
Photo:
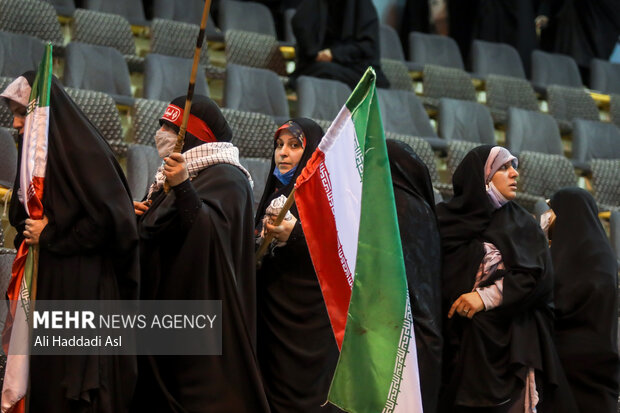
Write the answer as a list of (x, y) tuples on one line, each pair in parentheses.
[(16, 334), (346, 206)]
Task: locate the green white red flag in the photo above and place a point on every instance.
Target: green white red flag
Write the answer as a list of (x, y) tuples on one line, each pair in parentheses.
[(346, 206)]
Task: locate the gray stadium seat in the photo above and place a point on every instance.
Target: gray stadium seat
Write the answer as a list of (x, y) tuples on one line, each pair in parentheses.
[(132, 10), (403, 113), (19, 53), (252, 133), (8, 158), (496, 59), (320, 98), (504, 92), (614, 233), (187, 11), (166, 77), (63, 7), (255, 90), (98, 68), (34, 18), (7, 256), (533, 132), (142, 163), (605, 76), (614, 109), (6, 117), (289, 36), (109, 30), (446, 82), (594, 140), (465, 121), (605, 183), (456, 152), (146, 120), (391, 48), (568, 103), (247, 16), (255, 50), (434, 49), (259, 170), (397, 74), (554, 69)]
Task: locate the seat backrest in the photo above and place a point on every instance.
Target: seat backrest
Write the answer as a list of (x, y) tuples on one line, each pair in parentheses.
[(496, 58), (533, 132), (132, 10), (254, 90), (446, 82), (614, 233), (142, 164), (554, 69), (63, 7), (146, 120), (259, 170), (19, 53), (422, 148), (6, 116), (167, 77), (103, 29), (434, 49), (543, 174), (252, 133), (186, 11), (320, 98), (255, 50), (403, 113), (289, 36), (7, 256), (8, 158), (605, 182), (504, 92), (34, 18), (397, 74), (101, 110), (457, 151), (614, 109), (568, 103), (390, 43), (246, 15), (99, 68), (465, 121), (595, 140), (175, 38), (605, 76)]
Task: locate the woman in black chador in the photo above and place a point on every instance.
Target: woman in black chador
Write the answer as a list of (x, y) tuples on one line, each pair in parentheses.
[(197, 244), (497, 294), (415, 206), (88, 250), (337, 40), (296, 345), (586, 301)]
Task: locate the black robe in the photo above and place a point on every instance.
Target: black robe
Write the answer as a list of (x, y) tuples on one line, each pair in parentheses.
[(297, 349), (350, 28), (419, 234), (486, 359), (88, 251), (586, 301)]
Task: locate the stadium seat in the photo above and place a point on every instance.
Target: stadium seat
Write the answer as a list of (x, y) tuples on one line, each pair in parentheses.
[(252, 133), (533, 132), (289, 36), (186, 11), (594, 140), (146, 120), (98, 68), (504, 92), (142, 164), (8, 158), (132, 10), (422, 148), (34, 18), (605, 76), (391, 47), (252, 89), (614, 109), (445, 82), (403, 113), (456, 152), (433, 49), (248, 16), (167, 77), (605, 183), (63, 7), (465, 121), (554, 69), (614, 233), (320, 98), (6, 117), (19, 53), (495, 59), (568, 103), (259, 170), (7, 256), (397, 74), (255, 50)]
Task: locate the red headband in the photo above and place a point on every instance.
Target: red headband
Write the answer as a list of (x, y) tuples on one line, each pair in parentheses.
[(195, 125)]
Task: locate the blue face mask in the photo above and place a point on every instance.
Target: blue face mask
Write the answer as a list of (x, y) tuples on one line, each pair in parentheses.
[(286, 177)]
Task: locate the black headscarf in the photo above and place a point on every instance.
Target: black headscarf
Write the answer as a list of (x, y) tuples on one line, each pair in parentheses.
[(415, 207), (586, 300), (273, 187)]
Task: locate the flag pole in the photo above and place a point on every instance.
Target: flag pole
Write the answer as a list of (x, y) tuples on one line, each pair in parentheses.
[(267, 240), (192, 82)]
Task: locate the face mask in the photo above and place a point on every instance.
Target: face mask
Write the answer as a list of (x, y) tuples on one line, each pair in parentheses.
[(165, 141), (285, 178)]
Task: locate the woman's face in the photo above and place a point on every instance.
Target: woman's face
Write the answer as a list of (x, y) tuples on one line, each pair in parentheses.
[(505, 181), (19, 116), (288, 152)]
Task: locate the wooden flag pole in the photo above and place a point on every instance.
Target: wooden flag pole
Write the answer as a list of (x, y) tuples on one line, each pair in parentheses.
[(192, 82), (267, 240)]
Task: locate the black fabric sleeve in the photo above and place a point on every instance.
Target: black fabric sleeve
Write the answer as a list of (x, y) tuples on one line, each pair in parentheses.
[(85, 235), (523, 290), (297, 234), (187, 202)]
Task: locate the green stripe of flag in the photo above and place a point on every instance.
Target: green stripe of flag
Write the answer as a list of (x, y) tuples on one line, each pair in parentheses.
[(42, 85)]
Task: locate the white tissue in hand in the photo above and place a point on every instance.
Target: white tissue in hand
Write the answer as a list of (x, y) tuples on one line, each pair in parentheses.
[(276, 206)]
